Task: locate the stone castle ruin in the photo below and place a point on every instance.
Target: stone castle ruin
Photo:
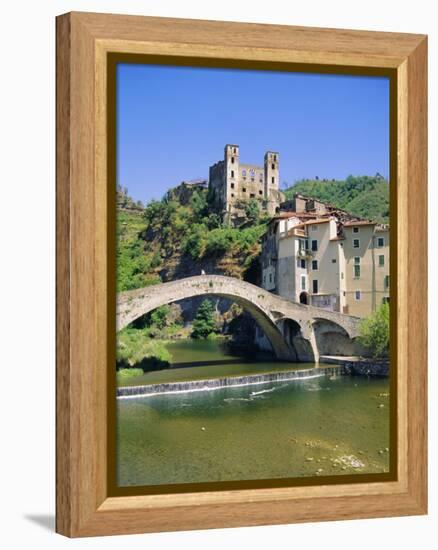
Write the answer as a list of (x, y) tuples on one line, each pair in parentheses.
[(233, 184)]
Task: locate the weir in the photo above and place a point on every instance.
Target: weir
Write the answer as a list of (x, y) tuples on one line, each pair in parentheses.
[(232, 381)]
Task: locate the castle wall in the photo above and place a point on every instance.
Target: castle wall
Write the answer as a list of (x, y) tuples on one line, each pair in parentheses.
[(234, 184), (217, 185)]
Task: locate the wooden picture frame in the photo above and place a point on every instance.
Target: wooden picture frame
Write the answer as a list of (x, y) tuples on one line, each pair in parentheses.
[(85, 42)]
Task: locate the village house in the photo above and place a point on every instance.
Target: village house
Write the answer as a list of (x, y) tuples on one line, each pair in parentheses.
[(327, 258)]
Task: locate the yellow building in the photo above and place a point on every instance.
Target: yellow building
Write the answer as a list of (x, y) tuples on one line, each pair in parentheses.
[(328, 263), (366, 253)]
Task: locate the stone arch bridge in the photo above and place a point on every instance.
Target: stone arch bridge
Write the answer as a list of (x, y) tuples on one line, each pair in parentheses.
[(295, 331)]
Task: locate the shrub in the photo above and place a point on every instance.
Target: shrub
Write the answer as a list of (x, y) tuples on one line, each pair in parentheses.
[(220, 240), (135, 349), (252, 210), (374, 332), (194, 243)]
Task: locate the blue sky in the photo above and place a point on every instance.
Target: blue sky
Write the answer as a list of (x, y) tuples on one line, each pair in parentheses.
[(173, 123)]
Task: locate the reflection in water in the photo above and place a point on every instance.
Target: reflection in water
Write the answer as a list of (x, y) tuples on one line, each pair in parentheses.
[(313, 427)]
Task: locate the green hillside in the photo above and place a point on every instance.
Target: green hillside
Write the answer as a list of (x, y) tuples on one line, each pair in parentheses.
[(169, 240), (364, 196)]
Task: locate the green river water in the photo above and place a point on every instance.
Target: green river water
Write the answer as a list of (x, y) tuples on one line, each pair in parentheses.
[(320, 426)]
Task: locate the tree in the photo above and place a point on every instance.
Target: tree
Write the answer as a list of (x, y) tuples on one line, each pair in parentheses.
[(374, 331), (204, 323), (159, 316), (198, 202), (252, 210)]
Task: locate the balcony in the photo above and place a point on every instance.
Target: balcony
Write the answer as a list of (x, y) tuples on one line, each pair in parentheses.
[(304, 253)]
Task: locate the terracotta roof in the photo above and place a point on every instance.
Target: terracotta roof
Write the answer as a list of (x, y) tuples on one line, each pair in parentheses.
[(359, 222), (314, 222), (285, 215)]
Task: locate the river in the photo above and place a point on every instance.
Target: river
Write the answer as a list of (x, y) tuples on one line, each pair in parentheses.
[(321, 426)]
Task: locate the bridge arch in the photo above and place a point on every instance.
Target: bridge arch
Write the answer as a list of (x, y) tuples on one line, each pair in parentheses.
[(301, 346), (134, 304), (331, 338)]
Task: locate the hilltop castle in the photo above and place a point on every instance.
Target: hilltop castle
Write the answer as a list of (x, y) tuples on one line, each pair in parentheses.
[(233, 184)]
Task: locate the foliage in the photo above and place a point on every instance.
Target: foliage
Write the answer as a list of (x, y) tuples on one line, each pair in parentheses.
[(122, 374), (199, 205), (134, 266), (136, 349), (194, 242), (252, 210), (163, 322), (220, 240), (363, 196), (374, 332), (159, 316), (155, 241), (204, 323)]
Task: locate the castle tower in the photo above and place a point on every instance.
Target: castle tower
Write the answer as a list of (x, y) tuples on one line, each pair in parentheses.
[(231, 174), (272, 180)]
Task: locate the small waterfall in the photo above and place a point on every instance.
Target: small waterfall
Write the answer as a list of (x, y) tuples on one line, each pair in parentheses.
[(232, 381)]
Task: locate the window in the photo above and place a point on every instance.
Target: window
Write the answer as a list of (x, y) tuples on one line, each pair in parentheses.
[(314, 265), (260, 192), (334, 261), (342, 274), (264, 278), (273, 179), (232, 186), (232, 160), (273, 166), (381, 242), (315, 286), (232, 173), (244, 189), (234, 150), (386, 281), (357, 295), (303, 244), (381, 260), (314, 245), (314, 227), (252, 195), (303, 282), (232, 195), (385, 300), (356, 268), (275, 158), (356, 243), (355, 230), (303, 264), (270, 277)]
